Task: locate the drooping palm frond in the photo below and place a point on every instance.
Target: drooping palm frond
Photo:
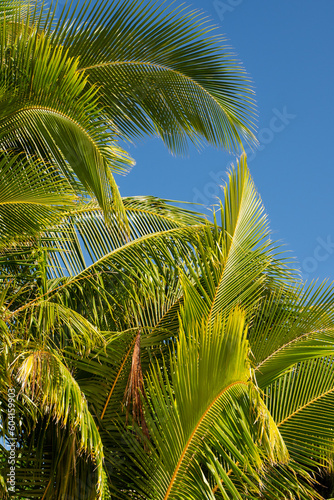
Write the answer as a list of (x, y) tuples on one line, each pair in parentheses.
[(82, 237), (68, 92), (160, 70), (50, 401), (47, 112), (32, 196)]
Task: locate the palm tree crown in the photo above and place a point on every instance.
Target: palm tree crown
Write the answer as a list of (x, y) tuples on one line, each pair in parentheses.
[(153, 354)]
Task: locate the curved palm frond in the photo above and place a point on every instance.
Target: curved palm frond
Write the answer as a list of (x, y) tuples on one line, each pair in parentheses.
[(200, 416), (32, 196), (83, 238), (291, 327), (166, 73), (235, 261), (301, 402), (67, 94), (47, 112), (46, 380)]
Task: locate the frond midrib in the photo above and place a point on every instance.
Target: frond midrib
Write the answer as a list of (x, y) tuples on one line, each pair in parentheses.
[(228, 254), (82, 275), (129, 210), (296, 339), (301, 408), (139, 240), (177, 468)]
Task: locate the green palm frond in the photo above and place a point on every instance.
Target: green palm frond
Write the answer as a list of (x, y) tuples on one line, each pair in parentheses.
[(302, 403), (47, 381), (291, 327), (48, 113), (32, 196), (196, 411), (82, 237), (167, 73), (246, 246), (9, 9), (234, 261), (68, 92)]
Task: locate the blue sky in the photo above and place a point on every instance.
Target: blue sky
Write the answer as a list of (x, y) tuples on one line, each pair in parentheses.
[(287, 48)]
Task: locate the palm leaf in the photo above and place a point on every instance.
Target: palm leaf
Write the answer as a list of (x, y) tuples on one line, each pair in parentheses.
[(82, 237), (28, 203), (166, 74), (301, 402), (49, 114), (292, 326), (198, 407), (45, 378)]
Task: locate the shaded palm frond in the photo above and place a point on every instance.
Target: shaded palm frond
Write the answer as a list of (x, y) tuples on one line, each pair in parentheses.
[(301, 402)]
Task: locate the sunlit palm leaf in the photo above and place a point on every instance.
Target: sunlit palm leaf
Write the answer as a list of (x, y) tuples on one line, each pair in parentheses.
[(32, 196), (166, 74), (49, 113), (45, 379), (196, 412), (83, 237), (290, 327)]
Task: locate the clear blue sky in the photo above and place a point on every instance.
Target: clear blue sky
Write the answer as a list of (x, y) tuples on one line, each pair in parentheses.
[(287, 48)]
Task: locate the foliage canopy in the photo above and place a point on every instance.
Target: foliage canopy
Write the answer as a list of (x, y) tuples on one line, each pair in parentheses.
[(154, 354)]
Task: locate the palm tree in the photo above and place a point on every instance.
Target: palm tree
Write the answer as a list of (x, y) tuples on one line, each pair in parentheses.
[(51, 340), (153, 354), (242, 405), (190, 362), (68, 94)]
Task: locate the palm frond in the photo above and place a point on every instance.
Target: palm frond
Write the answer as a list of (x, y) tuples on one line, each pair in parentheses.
[(167, 74), (46, 380), (291, 327), (32, 196), (48, 113), (195, 410), (82, 237), (301, 402)]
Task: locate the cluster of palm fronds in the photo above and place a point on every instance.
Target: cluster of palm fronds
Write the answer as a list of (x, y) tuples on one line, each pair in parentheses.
[(154, 355)]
